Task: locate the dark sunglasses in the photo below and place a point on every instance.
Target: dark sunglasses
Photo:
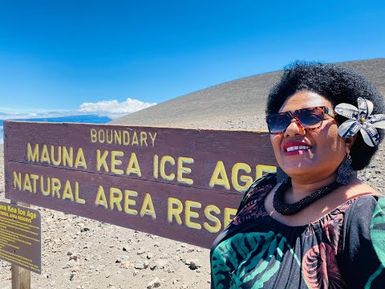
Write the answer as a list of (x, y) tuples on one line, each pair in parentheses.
[(308, 118)]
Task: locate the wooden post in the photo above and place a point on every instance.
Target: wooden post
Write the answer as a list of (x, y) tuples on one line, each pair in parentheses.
[(21, 278)]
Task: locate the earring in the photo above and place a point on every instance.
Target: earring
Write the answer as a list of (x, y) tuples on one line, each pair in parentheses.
[(345, 171)]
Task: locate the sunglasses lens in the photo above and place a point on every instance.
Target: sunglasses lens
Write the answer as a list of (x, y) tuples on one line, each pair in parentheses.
[(278, 123), (310, 117)]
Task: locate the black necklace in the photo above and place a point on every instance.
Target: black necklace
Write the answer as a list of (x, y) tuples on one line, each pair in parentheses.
[(286, 209)]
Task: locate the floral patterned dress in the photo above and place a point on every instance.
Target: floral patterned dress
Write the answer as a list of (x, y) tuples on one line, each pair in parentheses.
[(344, 249)]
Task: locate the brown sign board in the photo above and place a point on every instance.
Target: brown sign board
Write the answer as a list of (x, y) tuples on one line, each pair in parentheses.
[(20, 236), (183, 184)]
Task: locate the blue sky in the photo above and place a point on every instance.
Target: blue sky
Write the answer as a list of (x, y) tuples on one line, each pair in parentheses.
[(99, 56)]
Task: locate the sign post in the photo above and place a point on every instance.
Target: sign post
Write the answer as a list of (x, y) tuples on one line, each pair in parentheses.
[(21, 278)]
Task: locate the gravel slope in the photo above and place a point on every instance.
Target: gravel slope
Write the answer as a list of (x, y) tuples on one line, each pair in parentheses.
[(231, 105)]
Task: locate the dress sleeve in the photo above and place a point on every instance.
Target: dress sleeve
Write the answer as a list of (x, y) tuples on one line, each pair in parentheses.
[(247, 197), (363, 258), (269, 178)]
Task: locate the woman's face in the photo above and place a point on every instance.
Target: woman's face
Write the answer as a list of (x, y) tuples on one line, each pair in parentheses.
[(313, 154)]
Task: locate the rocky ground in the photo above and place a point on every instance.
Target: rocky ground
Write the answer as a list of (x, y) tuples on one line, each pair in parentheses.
[(82, 253)]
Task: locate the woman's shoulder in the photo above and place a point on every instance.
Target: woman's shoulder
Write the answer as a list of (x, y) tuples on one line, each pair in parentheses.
[(360, 188), (259, 189), (355, 198), (364, 240), (365, 200), (251, 205), (365, 220), (364, 207)]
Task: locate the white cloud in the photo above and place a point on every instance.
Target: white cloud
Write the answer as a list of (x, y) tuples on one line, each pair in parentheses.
[(114, 108), (110, 108)]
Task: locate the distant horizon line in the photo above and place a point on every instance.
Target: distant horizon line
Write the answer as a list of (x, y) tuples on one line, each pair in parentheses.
[(90, 118)]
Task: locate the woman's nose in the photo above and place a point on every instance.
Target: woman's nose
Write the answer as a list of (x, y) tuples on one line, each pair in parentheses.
[(295, 128)]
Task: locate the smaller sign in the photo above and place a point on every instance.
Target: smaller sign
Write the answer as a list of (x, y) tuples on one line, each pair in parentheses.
[(20, 236)]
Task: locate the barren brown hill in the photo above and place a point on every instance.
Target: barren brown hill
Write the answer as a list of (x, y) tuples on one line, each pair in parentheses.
[(233, 104)]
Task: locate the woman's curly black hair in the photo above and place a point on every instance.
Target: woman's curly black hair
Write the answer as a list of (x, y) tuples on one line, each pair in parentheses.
[(338, 85)]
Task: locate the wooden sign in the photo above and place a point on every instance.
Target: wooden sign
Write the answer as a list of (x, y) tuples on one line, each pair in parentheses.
[(20, 236), (181, 184)]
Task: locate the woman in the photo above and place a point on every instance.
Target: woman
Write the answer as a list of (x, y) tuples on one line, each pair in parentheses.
[(317, 225)]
